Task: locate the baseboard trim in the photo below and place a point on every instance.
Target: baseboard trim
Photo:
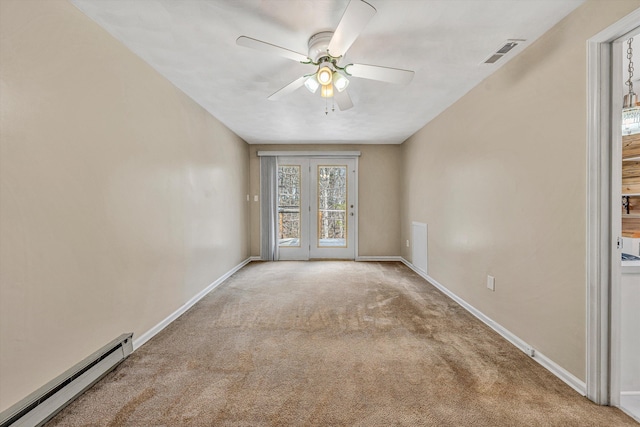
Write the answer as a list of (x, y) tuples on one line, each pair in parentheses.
[(566, 376), (628, 403), (137, 343), (379, 258)]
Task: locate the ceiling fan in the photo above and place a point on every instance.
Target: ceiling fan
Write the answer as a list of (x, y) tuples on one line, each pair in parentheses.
[(326, 49)]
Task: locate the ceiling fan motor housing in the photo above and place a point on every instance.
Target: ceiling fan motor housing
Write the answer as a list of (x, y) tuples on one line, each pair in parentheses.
[(319, 46)]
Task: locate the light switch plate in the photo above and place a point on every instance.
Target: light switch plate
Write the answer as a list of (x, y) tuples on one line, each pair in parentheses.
[(491, 283)]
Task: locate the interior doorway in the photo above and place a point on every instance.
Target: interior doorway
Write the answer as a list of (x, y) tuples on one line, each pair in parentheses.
[(607, 375), (317, 206), (627, 293)]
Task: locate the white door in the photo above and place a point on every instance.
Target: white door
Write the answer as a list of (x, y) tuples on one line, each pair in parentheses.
[(316, 208), (333, 208)]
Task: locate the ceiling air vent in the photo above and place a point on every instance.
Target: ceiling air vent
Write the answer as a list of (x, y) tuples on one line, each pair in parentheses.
[(503, 50)]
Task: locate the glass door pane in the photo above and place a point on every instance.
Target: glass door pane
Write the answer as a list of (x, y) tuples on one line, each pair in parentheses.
[(289, 205), (293, 208), (332, 206)]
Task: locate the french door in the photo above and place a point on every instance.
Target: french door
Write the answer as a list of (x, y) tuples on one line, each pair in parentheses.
[(316, 208)]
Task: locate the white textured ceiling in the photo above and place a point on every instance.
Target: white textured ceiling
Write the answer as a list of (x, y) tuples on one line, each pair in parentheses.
[(192, 44)]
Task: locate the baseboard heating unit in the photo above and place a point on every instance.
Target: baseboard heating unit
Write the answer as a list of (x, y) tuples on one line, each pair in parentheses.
[(41, 405)]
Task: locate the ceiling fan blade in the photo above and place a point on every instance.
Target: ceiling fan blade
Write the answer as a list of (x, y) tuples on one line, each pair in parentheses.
[(355, 18), (270, 48), (343, 100), (375, 72), (290, 88)]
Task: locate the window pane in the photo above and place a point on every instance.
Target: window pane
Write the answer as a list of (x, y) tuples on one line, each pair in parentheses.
[(332, 206), (289, 206)]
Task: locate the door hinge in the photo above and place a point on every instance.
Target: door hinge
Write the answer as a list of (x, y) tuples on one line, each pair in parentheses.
[(619, 244)]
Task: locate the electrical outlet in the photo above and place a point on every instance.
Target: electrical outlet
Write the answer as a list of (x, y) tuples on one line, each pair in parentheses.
[(255, 198), (491, 283), (407, 242)]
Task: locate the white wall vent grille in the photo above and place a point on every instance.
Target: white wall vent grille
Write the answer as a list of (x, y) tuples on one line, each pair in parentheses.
[(505, 48)]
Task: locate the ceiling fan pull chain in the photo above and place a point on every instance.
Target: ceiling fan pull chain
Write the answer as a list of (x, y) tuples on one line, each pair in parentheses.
[(630, 70), (630, 100)]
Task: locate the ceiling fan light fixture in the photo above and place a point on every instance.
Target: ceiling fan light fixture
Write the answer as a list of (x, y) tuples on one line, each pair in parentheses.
[(311, 83), (324, 75), (326, 51), (340, 82), (326, 91)]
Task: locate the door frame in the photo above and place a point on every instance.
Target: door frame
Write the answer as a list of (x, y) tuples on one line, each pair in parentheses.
[(604, 59), (326, 155)]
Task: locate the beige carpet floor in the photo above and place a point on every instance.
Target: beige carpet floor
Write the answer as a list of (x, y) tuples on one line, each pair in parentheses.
[(331, 344)]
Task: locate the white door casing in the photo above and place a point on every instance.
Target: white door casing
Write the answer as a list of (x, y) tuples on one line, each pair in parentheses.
[(604, 106), (327, 225)]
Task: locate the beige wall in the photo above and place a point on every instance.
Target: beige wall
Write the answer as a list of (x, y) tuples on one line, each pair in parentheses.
[(379, 171), (120, 198), (500, 178)]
